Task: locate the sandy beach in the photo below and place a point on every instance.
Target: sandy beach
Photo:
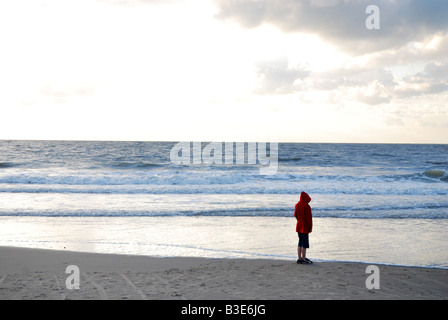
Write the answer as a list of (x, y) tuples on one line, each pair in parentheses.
[(41, 274)]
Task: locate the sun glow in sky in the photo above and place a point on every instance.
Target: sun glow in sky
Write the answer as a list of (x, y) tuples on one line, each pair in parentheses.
[(235, 70)]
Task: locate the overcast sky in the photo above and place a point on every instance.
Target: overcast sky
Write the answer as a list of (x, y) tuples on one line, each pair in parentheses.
[(224, 70)]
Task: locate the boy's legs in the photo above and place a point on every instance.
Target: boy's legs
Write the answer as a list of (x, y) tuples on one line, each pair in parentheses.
[(302, 246), (301, 253)]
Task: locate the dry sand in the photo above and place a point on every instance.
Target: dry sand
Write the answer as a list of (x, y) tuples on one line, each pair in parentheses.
[(41, 274)]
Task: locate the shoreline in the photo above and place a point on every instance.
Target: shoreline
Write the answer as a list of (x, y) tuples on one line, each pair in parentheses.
[(27, 274), (251, 237)]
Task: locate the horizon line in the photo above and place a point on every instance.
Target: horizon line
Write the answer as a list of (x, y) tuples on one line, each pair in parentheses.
[(224, 141)]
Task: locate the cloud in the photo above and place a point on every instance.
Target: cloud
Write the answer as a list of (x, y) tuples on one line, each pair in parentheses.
[(354, 77), (434, 48), (342, 22), (432, 80), (434, 71), (374, 86), (371, 86), (368, 85), (277, 77), (374, 93)]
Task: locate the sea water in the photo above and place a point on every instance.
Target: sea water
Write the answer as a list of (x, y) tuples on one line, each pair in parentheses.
[(379, 203)]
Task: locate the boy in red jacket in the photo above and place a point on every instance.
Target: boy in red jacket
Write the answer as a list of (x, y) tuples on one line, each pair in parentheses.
[(304, 226)]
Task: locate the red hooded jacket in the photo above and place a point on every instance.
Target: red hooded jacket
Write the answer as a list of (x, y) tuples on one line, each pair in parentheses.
[(303, 214)]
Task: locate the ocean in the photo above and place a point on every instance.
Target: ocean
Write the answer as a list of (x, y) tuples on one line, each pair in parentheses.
[(376, 203)]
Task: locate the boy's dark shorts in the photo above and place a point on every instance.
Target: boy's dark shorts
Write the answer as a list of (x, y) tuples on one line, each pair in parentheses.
[(303, 240)]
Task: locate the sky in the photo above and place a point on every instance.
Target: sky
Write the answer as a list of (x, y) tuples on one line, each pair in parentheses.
[(225, 70)]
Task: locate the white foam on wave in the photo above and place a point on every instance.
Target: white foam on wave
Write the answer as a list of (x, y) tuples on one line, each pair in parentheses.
[(212, 182)]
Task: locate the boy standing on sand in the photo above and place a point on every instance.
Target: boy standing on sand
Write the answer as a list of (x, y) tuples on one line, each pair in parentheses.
[(304, 226)]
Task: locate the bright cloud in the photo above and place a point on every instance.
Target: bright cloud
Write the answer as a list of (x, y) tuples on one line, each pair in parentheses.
[(224, 70)]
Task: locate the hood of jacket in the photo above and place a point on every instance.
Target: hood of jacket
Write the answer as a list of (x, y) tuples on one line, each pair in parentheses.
[(304, 197)]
